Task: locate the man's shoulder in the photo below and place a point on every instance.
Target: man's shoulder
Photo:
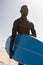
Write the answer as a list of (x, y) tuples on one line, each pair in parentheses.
[(31, 24), (18, 19)]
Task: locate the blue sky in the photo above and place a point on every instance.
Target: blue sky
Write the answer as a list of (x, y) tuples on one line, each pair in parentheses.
[(10, 10)]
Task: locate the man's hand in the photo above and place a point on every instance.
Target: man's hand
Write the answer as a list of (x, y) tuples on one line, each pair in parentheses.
[(11, 54)]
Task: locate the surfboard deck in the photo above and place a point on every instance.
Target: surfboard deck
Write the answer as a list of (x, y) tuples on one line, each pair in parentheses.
[(27, 50)]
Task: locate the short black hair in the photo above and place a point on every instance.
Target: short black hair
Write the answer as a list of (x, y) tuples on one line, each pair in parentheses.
[(24, 10)]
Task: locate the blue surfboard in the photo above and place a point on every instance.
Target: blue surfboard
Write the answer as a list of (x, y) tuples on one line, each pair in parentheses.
[(26, 50)]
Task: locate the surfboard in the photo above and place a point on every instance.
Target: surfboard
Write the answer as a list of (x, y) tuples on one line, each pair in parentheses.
[(26, 49)]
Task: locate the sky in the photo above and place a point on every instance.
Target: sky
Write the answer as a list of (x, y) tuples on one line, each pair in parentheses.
[(10, 11)]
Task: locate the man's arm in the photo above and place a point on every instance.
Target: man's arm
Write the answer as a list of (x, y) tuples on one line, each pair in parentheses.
[(33, 30), (14, 30)]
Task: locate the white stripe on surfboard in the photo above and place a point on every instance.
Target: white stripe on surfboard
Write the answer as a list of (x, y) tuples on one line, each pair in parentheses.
[(30, 51)]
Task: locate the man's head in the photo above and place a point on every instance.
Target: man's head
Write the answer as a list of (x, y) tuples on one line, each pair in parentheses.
[(24, 10)]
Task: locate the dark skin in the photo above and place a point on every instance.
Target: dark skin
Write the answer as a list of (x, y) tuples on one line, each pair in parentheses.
[(22, 26)]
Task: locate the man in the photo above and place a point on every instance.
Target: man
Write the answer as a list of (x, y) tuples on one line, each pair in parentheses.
[(22, 26)]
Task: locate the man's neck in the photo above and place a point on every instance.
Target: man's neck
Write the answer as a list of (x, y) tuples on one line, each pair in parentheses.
[(24, 17)]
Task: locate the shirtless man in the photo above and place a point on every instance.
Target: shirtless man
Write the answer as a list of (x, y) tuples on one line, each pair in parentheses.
[(22, 26)]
